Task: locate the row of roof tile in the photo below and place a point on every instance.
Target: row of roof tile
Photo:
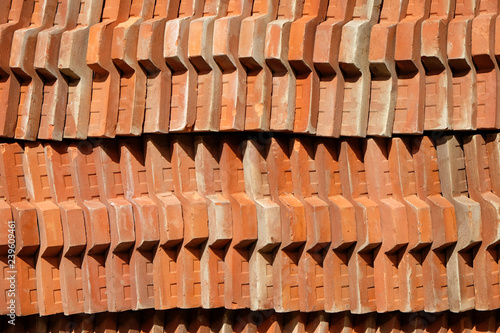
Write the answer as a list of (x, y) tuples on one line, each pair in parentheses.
[(241, 321), (102, 68), (283, 223)]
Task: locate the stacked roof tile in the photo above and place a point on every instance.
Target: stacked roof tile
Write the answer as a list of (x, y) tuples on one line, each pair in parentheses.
[(105, 68), (221, 320), (287, 223), (204, 163)]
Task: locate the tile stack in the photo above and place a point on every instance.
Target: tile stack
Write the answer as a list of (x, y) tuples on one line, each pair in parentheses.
[(236, 165), (103, 68)]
